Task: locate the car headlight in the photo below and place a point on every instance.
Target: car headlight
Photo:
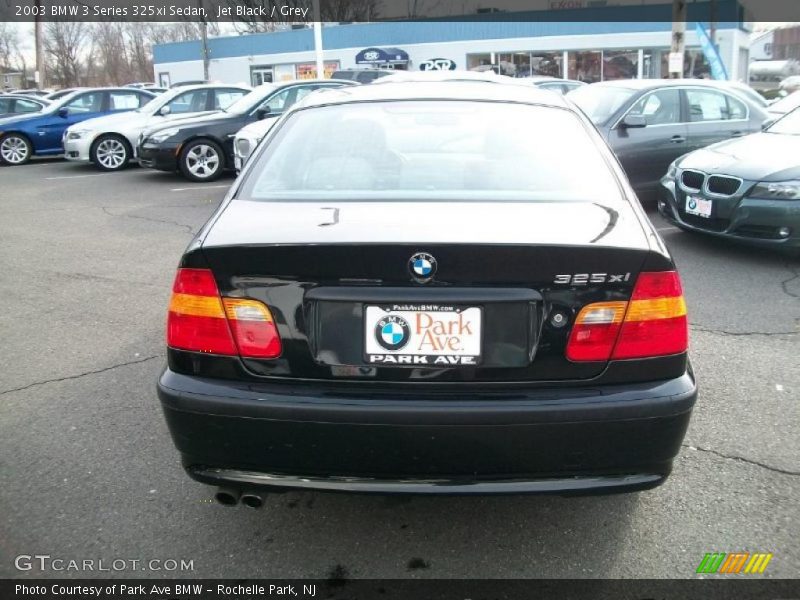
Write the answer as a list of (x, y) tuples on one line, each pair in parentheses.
[(243, 147), (76, 134), (160, 136), (776, 190), (672, 170)]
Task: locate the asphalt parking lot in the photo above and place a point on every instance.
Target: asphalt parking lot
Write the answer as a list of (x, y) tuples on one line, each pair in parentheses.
[(88, 470)]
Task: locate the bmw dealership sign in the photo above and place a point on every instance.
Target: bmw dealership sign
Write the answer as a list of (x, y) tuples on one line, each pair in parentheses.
[(437, 64)]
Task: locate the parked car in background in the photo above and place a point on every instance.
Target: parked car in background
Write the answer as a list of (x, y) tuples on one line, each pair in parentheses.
[(562, 86), (784, 106), (58, 94), (747, 189), (109, 142), (31, 92), (189, 82), (363, 75), (740, 88), (650, 122), (791, 84), (247, 138), (24, 136), (430, 288), (201, 148), (14, 104)]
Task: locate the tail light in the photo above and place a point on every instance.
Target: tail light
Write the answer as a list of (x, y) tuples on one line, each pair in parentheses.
[(653, 323), (201, 321)]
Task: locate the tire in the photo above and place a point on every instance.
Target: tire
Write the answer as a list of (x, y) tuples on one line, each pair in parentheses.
[(202, 160), (110, 152), (15, 149)]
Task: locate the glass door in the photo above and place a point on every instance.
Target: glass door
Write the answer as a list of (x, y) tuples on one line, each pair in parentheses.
[(260, 75)]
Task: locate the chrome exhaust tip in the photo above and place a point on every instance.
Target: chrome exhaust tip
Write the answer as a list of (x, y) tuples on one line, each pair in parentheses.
[(253, 500)]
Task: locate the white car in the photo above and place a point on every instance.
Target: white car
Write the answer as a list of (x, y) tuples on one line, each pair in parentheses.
[(791, 84), (109, 141), (247, 138)]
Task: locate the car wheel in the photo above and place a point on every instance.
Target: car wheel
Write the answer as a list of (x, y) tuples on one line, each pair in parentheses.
[(15, 149), (110, 153), (202, 160)]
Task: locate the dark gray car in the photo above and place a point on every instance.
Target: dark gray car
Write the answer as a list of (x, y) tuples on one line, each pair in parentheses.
[(651, 122)]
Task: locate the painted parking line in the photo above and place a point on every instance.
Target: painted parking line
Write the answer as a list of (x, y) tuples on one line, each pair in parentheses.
[(74, 176), (199, 187)]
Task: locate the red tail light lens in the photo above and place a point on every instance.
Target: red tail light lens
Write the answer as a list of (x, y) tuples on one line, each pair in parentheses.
[(653, 323), (595, 331), (656, 323), (200, 321), (253, 328)]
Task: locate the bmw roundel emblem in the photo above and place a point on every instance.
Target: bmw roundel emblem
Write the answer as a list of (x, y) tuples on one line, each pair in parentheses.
[(392, 332), (422, 266)]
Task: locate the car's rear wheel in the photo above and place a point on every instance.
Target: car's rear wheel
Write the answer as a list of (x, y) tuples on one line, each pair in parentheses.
[(15, 149), (110, 153), (202, 160)]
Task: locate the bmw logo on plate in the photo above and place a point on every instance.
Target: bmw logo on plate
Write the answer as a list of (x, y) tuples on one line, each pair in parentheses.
[(392, 332), (422, 266)]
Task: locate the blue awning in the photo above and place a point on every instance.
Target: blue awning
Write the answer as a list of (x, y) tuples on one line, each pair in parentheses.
[(382, 56)]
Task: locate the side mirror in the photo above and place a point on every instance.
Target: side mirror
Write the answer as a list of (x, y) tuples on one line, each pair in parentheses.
[(263, 113), (634, 122), (164, 110), (63, 113)]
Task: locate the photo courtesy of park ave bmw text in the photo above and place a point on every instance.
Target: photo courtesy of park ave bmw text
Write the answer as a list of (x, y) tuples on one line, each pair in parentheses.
[(400, 299)]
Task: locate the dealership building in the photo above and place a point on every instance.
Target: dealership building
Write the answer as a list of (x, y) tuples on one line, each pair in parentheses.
[(589, 44)]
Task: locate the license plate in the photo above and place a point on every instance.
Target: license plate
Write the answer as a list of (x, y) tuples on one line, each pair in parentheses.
[(434, 335), (698, 206)]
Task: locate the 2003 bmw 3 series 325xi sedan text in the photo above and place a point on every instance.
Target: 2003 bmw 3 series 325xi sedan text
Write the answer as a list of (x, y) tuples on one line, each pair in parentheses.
[(428, 288)]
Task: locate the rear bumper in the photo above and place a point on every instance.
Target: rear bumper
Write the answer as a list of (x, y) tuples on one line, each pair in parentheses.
[(599, 440)]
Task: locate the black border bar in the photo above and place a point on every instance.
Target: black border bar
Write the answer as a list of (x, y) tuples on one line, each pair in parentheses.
[(300, 11), (734, 587)]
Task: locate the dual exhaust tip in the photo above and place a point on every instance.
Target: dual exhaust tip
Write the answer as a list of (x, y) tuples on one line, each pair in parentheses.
[(232, 497)]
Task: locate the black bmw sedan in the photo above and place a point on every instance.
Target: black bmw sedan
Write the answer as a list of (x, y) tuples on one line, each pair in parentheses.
[(201, 148), (746, 189), (408, 290)]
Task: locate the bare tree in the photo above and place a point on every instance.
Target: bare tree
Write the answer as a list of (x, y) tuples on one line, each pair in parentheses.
[(9, 45), (64, 45)]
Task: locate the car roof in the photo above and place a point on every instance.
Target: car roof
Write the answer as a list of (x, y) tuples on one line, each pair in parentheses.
[(445, 90), (201, 86), (27, 97), (646, 84), (282, 84)]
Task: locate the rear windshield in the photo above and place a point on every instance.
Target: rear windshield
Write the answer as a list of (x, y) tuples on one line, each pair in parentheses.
[(431, 150)]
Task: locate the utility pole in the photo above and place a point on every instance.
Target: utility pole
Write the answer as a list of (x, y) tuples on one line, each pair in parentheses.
[(318, 41), (712, 29), (678, 39), (39, 38), (204, 34)]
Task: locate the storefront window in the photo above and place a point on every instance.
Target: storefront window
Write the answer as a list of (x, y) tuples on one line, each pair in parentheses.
[(620, 64), (309, 70), (475, 62), (585, 66), (547, 63), (519, 64)]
